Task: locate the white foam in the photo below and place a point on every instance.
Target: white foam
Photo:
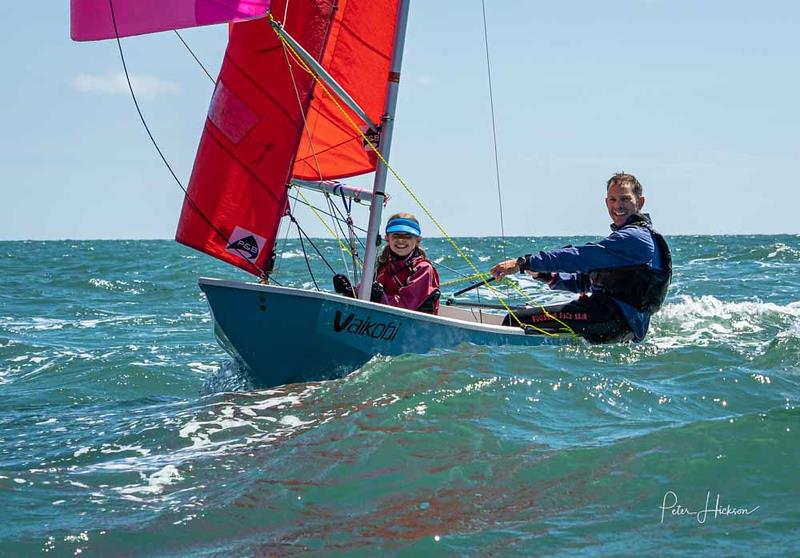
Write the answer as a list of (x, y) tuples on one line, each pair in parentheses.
[(201, 367), (102, 283), (782, 248), (293, 421), (109, 448), (47, 324), (711, 307), (793, 331), (707, 318), (156, 482)]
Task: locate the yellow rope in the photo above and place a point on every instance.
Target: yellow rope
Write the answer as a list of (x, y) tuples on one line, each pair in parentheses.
[(418, 201), (462, 279), (332, 232)]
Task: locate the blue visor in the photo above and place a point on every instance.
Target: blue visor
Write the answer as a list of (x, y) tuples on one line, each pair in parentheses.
[(401, 225)]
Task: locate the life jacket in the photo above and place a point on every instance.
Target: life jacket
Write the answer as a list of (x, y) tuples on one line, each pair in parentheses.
[(394, 273), (641, 286)]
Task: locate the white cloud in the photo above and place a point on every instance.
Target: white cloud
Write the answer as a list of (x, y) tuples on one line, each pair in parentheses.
[(113, 83), (420, 79)]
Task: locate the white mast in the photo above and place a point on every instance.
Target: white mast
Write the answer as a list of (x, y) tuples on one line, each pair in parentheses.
[(387, 124)]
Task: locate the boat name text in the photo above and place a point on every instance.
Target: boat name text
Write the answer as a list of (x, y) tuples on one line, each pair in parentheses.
[(357, 326)]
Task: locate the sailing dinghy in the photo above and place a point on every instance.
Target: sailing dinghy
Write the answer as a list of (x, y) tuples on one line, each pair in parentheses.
[(305, 97)]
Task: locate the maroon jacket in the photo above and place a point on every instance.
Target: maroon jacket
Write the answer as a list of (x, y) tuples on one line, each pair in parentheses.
[(408, 283)]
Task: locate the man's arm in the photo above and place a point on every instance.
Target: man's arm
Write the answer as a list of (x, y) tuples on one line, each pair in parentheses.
[(572, 282), (631, 246)]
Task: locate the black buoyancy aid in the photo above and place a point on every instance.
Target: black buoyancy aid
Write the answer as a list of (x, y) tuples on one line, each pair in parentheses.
[(641, 286)]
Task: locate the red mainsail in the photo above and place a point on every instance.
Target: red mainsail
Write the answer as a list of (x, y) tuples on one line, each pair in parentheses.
[(256, 135), (357, 56)]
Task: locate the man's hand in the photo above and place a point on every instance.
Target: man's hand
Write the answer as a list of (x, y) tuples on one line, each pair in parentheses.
[(504, 268), (341, 284)]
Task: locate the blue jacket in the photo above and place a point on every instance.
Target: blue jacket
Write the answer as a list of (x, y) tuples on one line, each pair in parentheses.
[(625, 246)]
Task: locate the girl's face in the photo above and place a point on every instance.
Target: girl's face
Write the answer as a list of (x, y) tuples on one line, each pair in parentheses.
[(402, 244)]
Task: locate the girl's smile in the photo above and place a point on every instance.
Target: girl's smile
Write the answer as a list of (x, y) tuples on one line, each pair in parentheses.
[(402, 244)]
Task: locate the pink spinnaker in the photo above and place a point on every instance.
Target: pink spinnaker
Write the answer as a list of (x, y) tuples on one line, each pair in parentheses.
[(91, 20)]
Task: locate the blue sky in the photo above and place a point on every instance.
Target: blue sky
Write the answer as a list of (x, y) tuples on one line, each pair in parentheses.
[(698, 99)]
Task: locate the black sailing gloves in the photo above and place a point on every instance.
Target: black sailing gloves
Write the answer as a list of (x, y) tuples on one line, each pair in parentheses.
[(342, 285), (377, 292)]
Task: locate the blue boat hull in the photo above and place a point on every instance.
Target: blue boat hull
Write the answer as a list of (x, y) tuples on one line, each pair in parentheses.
[(287, 335)]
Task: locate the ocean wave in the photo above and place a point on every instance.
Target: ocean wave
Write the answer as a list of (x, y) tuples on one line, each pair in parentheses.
[(707, 319), (784, 252)]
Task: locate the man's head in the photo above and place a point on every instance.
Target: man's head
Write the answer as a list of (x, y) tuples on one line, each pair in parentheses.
[(623, 197)]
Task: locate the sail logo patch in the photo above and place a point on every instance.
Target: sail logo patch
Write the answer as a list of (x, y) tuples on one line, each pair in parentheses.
[(245, 244), (366, 327)]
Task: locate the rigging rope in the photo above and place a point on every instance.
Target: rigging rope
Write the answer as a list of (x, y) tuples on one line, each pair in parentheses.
[(195, 57), (316, 161), (305, 255), (323, 212), (333, 233), (494, 130), (314, 246), (418, 201)]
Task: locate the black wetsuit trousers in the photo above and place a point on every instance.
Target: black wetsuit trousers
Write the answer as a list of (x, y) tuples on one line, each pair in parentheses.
[(596, 318)]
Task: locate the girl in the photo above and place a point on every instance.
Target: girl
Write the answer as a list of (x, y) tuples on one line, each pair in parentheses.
[(408, 278), (405, 278)]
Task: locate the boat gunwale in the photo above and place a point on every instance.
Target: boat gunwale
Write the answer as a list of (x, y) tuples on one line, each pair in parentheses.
[(404, 312)]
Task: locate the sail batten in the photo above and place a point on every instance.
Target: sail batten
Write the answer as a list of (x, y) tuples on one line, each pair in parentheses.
[(93, 20)]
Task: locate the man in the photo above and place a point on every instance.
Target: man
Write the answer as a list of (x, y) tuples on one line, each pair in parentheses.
[(622, 279)]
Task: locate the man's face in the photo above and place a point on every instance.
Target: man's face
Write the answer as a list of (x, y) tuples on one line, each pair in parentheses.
[(622, 203)]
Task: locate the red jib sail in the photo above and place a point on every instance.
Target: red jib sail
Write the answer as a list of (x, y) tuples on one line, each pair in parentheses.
[(257, 120)]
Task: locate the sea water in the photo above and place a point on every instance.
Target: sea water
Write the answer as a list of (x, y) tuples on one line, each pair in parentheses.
[(125, 430)]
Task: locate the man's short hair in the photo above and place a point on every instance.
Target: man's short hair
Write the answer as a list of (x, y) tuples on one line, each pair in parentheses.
[(621, 178)]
